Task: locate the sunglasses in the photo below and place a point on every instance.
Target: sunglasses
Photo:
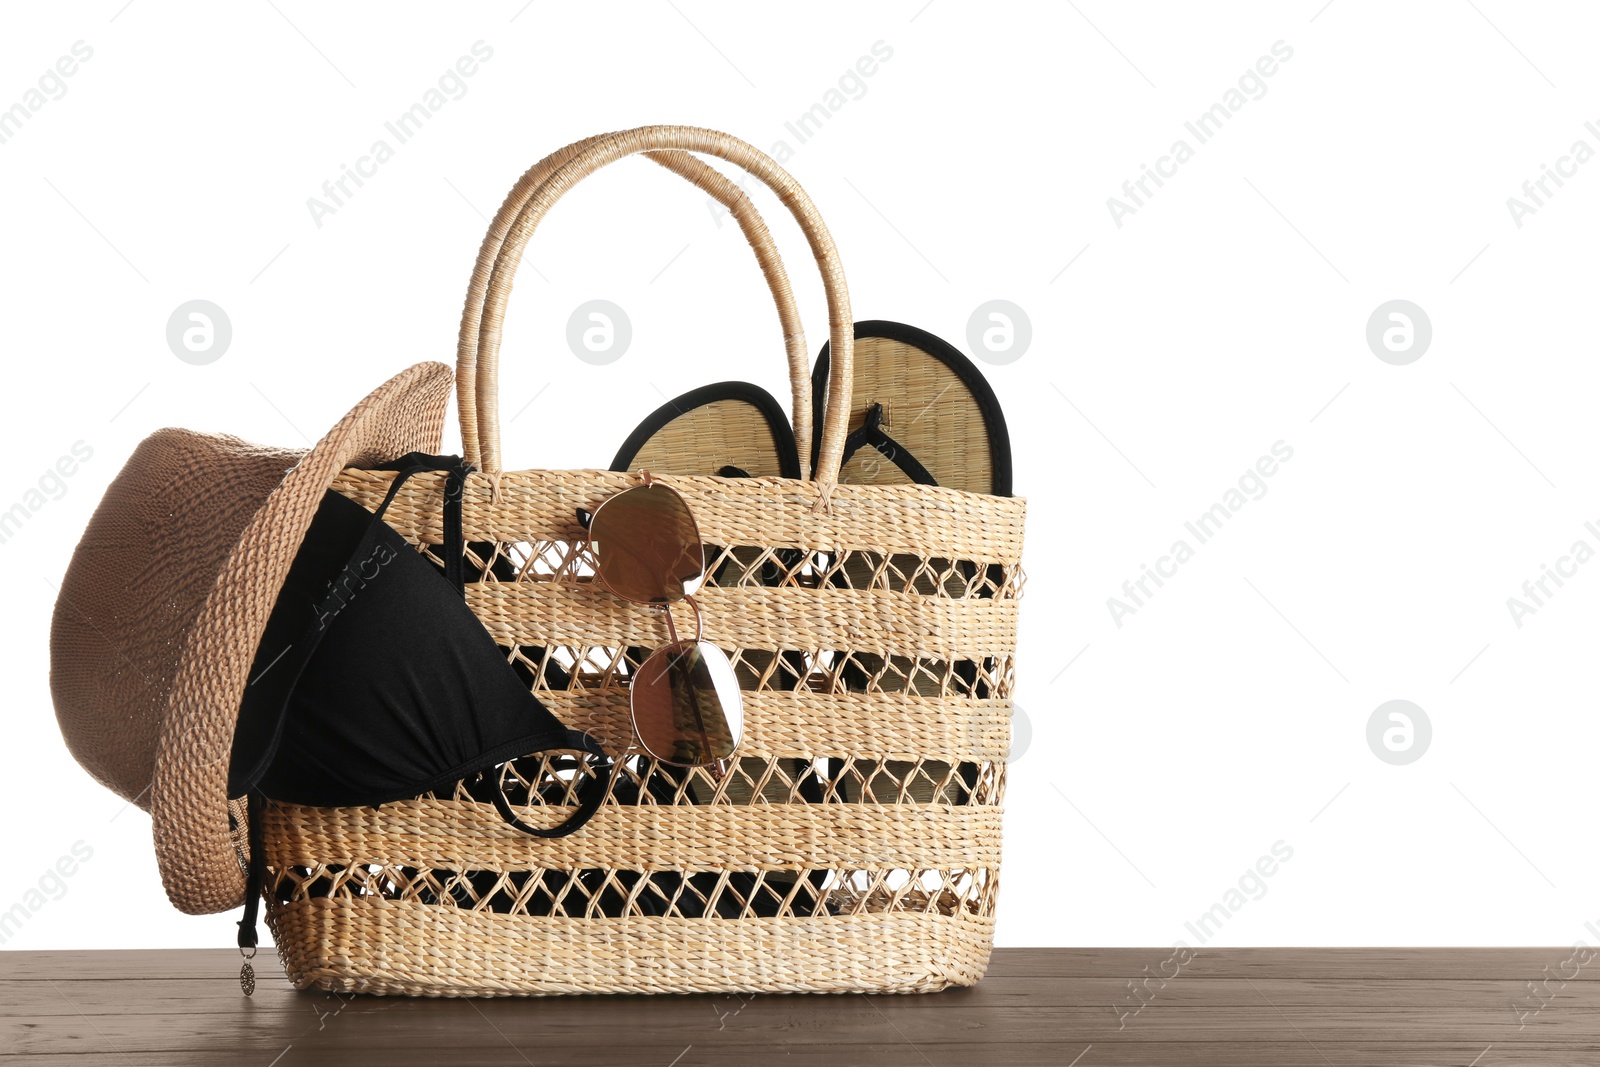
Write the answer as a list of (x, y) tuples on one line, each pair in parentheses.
[(685, 696)]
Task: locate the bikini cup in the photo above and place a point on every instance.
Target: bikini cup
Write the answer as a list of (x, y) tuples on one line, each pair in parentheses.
[(374, 682)]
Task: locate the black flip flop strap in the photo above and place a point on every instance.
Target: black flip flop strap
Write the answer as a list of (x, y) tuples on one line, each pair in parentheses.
[(871, 433)]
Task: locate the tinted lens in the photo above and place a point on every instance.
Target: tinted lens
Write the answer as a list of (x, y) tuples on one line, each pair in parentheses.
[(686, 707), (647, 546)]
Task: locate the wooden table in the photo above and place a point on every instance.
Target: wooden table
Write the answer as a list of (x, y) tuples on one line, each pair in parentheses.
[(1063, 1007)]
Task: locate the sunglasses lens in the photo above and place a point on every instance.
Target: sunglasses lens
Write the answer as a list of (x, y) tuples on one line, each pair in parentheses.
[(647, 546), (686, 708)]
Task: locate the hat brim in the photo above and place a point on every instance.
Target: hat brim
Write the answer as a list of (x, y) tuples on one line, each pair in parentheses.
[(189, 793)]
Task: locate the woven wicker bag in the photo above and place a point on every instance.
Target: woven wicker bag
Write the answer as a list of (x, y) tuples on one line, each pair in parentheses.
[(853, 845)]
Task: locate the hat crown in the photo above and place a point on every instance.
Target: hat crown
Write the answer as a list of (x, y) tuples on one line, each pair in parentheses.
[(150, 555)]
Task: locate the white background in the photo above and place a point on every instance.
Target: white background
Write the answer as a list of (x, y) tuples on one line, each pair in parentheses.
[(1227, 314)]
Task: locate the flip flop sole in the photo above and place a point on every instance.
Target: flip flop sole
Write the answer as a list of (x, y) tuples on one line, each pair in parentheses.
[(706, 430), (935, 406)]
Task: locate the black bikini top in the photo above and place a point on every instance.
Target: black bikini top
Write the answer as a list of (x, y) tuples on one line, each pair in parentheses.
[(374, 682)]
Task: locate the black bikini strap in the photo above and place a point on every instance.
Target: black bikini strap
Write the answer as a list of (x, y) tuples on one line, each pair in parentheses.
[(256, 872), (454, 550), (454, 544), (454, 547), (871, 433), (593, 793)]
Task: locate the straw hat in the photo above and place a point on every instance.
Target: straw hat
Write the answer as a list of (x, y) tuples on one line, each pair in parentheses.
[(164, 603)]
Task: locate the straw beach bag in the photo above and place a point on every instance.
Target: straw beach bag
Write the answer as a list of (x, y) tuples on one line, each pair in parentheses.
[(854, 842)]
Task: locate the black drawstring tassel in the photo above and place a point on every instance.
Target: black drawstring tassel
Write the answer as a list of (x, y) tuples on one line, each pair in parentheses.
[(256, 876)]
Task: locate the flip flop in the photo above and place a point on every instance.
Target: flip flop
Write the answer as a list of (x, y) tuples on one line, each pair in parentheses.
[(920, 413), (731, 428)]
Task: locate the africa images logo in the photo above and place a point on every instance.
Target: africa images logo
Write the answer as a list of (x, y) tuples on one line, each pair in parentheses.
[(451, 85), (1202, 128)]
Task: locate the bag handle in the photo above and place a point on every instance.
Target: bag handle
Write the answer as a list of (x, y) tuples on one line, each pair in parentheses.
[(756, 234), (721, 189), (549, 180)]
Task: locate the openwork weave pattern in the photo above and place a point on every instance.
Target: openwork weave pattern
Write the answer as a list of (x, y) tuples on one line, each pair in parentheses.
[(865, 802)]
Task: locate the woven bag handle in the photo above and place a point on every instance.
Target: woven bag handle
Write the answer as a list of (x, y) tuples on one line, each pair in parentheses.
[(713, 182), (478, 352)]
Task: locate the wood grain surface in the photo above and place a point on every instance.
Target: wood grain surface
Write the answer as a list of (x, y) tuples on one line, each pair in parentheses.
[(1063, 1007)]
